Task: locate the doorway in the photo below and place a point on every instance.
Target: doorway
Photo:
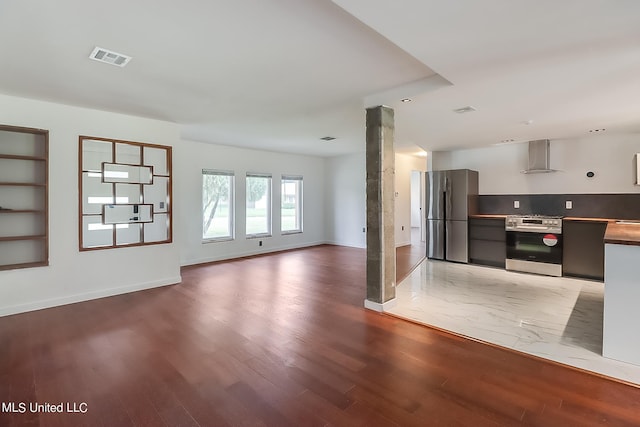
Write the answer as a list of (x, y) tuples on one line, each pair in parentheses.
[(417, 209)]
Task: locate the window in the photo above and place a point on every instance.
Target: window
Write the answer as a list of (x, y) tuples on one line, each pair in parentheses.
[(291, 208), (258, 205), (217, 205)]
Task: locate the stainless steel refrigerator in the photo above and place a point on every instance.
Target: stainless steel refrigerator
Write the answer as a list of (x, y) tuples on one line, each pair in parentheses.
[(451, 197)]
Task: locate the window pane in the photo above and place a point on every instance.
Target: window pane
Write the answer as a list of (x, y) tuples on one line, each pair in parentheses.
[(217, 205), (291, 209), (258, 205)]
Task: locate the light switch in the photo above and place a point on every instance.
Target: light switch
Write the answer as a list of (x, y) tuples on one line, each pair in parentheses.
[(568, 204), (516, 204)]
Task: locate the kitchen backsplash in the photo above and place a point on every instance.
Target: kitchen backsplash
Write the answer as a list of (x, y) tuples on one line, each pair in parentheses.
[(617, 206)]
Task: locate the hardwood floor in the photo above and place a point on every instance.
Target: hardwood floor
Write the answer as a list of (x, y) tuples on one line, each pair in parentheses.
[(280, 340), (407, 258)]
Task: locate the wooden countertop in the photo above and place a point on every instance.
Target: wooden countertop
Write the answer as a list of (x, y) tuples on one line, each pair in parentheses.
[(576, 218), (622, 234)]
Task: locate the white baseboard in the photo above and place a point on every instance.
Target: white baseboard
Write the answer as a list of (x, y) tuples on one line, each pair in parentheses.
[(71, 299), (376, 306), (347, 244), (241, 254)]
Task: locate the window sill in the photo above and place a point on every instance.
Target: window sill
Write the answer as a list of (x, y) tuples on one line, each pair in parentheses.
[(217, 240), (259, 236), (286, 233)]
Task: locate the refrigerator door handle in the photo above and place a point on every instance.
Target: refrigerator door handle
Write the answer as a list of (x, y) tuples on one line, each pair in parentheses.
[(447, 197)]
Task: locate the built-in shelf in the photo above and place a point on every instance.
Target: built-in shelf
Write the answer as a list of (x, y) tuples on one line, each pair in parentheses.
[(21, 211), (18, 238), (22, 184), (24, 231), (125, 193), (24, 265), (19, 157)]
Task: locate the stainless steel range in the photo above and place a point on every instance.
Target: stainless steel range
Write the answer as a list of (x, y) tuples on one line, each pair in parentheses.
[(534, 244)]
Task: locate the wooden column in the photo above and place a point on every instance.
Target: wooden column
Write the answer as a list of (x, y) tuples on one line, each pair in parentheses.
[(381, 251)]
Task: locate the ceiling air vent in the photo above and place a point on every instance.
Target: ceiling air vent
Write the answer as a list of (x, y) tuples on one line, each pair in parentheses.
[(109, 57), (466, 109)]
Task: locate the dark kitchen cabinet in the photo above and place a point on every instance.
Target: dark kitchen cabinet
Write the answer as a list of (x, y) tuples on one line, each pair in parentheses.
[(487, 241), (583, 251)]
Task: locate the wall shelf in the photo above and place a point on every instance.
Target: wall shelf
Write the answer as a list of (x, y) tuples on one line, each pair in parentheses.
[(24, 229), (125, 193), (21, 211), (22, 184), (19, 238), (19, 157), (24, 265)]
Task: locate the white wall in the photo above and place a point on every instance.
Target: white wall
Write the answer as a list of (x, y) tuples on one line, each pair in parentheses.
[(405, 164), (192, 157), (73, 275), (611, 157), (346, 209)]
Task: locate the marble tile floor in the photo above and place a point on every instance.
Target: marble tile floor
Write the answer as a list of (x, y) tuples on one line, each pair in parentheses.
[(551, 317)]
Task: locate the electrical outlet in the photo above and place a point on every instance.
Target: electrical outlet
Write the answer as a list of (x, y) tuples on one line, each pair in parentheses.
[(568, 204), (364, 229), (516, 204), (403, 228), (259, 242)]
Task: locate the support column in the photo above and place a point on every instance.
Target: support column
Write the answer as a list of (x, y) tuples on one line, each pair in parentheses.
[(381, 247)]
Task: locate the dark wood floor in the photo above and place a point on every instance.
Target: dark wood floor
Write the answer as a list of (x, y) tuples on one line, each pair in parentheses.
[(280, 340), (407, 258)]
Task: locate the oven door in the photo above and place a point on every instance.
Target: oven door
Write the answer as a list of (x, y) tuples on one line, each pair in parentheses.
[(534, 247)]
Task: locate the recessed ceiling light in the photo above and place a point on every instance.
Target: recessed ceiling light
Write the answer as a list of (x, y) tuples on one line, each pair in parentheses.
[(109, 57), (597, 130), (466, 109), (327, 138), (406, 100), (527, 122)]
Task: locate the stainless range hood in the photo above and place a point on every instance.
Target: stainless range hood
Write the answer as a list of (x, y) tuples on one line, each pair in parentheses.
[(539, 157)]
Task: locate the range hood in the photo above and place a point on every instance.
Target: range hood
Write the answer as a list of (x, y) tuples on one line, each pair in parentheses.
[(539, 157)]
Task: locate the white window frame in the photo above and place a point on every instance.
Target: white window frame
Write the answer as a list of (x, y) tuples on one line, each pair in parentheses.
[(269, 208), (299, 204), (231, 235)]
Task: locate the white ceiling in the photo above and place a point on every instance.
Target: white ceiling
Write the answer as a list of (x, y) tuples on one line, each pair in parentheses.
[(281, 74)]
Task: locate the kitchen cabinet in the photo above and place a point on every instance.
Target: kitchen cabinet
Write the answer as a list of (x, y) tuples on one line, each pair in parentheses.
[(487, 241), (23, 197), (621, 296), (583, 251)]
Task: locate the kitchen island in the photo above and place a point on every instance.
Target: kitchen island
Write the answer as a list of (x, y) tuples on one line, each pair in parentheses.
[(622, 292)]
